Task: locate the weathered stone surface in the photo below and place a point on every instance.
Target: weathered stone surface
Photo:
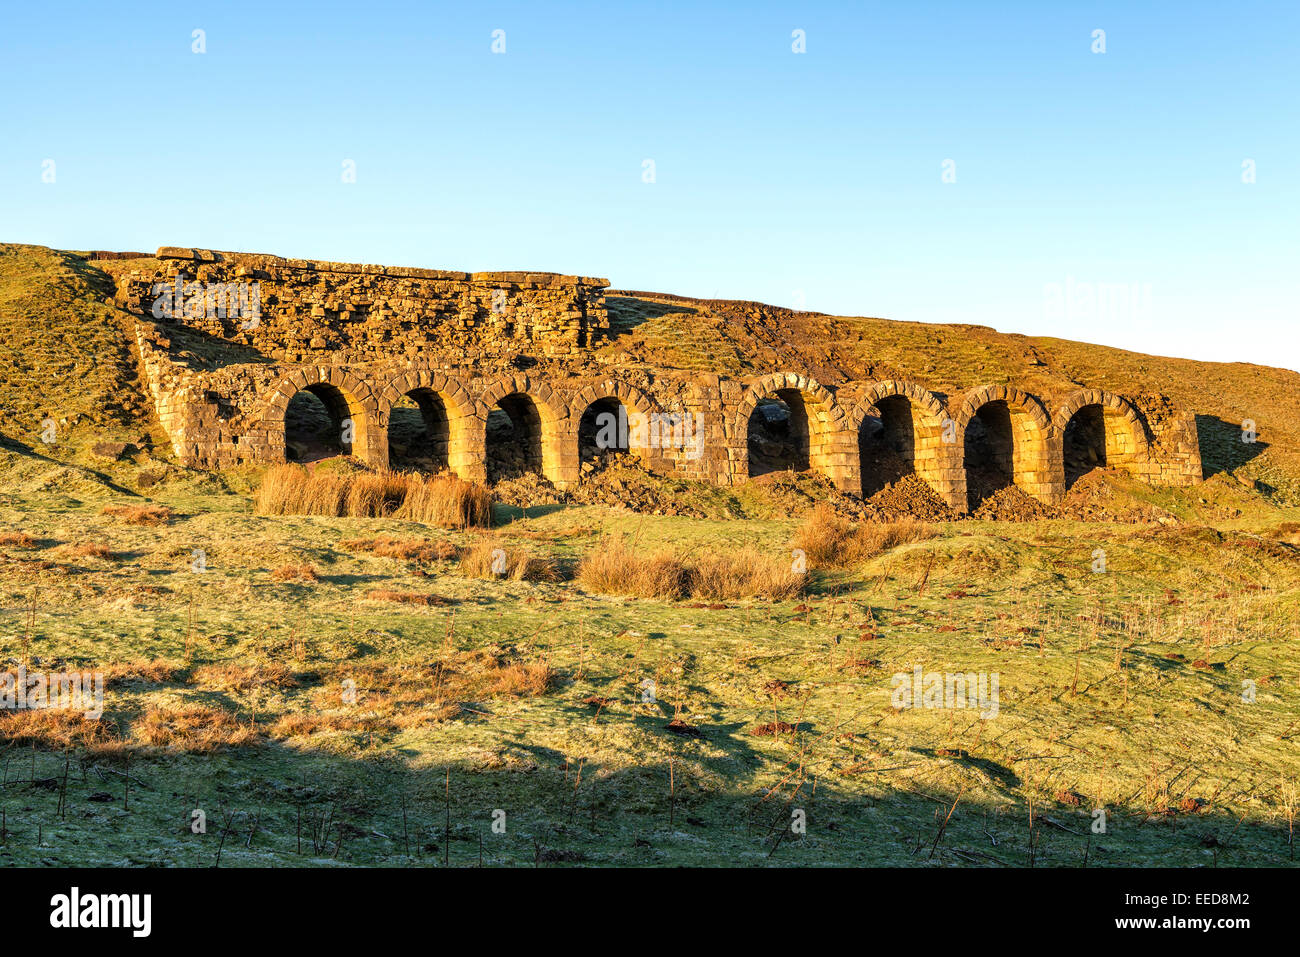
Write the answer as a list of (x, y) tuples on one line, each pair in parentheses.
[(363, 337)]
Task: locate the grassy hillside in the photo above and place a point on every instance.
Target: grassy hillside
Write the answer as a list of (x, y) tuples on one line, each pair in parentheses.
[(67, 354), (328, 699), (229, 694)]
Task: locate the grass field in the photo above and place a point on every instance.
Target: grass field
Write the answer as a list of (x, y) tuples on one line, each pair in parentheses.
[(229, 693), (325, 698)]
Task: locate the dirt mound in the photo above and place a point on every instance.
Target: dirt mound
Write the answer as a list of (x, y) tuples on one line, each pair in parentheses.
[(1095, 498), (527, 490), (619, 483), (1011, 504), (622, 482), (789, 493), (881, 466), (910, 495)]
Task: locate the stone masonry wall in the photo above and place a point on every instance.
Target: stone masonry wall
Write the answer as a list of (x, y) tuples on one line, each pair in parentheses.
[(367, 336), (317, 311)]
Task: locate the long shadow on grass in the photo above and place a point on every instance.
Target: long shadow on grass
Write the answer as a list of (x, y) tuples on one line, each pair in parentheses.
[(537, 805), (503, 514), (1221, 445), (22, 448)]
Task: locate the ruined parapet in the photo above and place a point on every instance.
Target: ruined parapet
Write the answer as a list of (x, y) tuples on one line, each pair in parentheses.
[(302, 311), (1177, 461), (1175, 448)]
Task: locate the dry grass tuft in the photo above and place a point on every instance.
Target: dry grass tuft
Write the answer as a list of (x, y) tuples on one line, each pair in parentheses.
[(441, 500), (407, 549), (195, 728), (830, 541), (17, 539), (747, 573), (447, 502), (139, 514), (404, 597), (483, 559), (157, 671), (394, 697), (611, 568), (87, 550), (55, 729), (518, 680), (240, 678), (295, 573), (301, 724)]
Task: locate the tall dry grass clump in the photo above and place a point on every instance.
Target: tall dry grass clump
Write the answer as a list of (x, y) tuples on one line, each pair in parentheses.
[(612, 568), (873, 538), (292, 490), (830, 541), (747, 573), (442, 500), (823, 537), (448, 502), (491, 559), (375, 494)]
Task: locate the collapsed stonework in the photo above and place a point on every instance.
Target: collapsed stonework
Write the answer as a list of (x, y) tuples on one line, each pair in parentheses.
[(227, 340)]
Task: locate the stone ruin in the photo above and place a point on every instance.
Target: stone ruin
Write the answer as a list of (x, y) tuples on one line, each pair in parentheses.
[(228, 340)]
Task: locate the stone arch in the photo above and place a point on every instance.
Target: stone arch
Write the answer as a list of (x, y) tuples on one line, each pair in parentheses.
[(819, 429), (549, 430), (1004, 433), (910, 421), (448, 410), (1105, 428), (613, 392), (345, 394)]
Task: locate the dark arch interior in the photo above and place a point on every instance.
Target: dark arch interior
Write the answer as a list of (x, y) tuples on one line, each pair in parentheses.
[(887, 444), (418, 432), (603, 431), (990, 448), (1085, 443), (514, 438), (313, 424), (778, 434)]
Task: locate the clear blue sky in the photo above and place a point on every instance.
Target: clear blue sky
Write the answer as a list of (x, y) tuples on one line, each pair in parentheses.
[(811, 178)]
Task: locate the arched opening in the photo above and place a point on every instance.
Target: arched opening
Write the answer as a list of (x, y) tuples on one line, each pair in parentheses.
[(419, 433), (990, 452), (318, 424), (604, 433), (887, 444), (777, 436), (1084, 443), (514, 438)]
